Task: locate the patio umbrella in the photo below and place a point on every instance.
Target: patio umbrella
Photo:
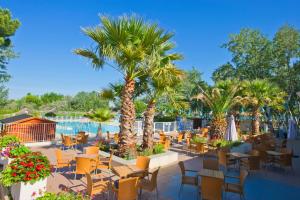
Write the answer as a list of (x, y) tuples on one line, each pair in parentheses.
[(231, 133), (292, 131)]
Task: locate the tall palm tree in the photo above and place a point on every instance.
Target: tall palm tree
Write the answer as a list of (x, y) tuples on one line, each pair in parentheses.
[(259, 93), (126, 42), (220, 99), (162, 78)]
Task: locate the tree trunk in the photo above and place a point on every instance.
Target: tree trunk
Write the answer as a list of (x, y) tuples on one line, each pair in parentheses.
[(148, 131), (127, 136), (218, 127), (255, 120)]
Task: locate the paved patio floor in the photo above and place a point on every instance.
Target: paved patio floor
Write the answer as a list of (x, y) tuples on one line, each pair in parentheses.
[(265, 184)]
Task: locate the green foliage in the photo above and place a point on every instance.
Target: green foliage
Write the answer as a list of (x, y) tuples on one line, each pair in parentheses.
[(198, 139), (51, 97), (63, 196), (86, 101), (140, 107), (226, 144), (19, 151), (100, 115), (224, 72), (8, 140), (146, 152), (30, 167), (158, 148)]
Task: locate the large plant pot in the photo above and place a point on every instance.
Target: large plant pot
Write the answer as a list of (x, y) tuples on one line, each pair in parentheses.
[(27, 191), (4, 161)]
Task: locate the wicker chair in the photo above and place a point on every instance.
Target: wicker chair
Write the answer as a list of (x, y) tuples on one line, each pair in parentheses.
[(187, 179), (61, 162), (210, 164), (252, 162), (179, 138), (237, 187), (286, 159), (92, 150), (105, 163), (211, 188), (84, 165), (224, 160), (96, 187), (127, 189), (149, 185), (69, 142)]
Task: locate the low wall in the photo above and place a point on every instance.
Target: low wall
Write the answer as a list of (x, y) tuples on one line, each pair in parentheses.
[(158, 160)]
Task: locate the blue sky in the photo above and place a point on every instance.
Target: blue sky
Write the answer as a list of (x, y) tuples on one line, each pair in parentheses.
[(50, 30)]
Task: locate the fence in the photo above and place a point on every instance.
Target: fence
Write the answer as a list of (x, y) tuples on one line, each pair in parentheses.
[(38, 132)]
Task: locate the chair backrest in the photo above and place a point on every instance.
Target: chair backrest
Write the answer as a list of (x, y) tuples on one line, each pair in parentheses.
[(179, 137), (116, 138), (142, 162), (128, 188), (287, 157), (167, 144), (222, 158), (67, 140), (83, 165), (182, 168), (58, 154), (211, 188), (81, 133), (254, 152), (153, 181), (92, 150), (188, 141), (200, 148), (89, 184), (243, 176), (62, 138), (210, 164), (85, 139)]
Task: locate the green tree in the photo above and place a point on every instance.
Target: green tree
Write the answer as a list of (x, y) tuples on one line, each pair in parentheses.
[(286, 53), (226, 71), (8, 27), (251, 55), (127, 42), (220, 99), (258, 93), (51, 97)]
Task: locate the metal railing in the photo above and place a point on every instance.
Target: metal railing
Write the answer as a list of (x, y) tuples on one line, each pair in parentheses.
[(30, 132)]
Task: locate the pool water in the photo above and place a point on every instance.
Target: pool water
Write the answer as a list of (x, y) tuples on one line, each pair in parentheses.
[(71, 128)]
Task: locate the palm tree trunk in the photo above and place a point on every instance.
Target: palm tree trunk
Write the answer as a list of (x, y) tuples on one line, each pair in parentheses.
[(255, 120), (218, 127), (127, 136), (148, 131)]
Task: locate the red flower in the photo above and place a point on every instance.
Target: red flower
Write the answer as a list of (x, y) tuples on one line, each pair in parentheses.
[(14, 174)]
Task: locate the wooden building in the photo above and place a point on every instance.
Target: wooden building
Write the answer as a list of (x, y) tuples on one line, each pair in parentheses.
[(29, 128)]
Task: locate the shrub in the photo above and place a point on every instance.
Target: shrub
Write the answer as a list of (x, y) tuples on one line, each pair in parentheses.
[(15, 151), (146, 152), (30, 167), (158, 148), (198, 139), (8, 140), (62, 196)]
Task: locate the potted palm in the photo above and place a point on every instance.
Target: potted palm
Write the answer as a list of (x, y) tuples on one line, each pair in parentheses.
[(27, 176)]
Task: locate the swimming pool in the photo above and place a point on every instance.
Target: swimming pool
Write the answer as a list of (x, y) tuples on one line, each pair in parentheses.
[(69, 127)]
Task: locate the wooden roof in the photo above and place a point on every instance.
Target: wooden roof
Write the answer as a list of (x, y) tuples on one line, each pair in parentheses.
[(22, 118)]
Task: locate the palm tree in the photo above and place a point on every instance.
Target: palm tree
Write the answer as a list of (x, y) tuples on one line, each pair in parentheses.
[(162, 79), (220, 99), (126, 42), (259, 93)]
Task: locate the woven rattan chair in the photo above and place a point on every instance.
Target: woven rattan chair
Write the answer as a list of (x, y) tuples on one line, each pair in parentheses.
[(211, 188), (187, 179), (61, 162), (96, 187), (92, 150), (149, 185), (286, 159), (69, 142), (224, 160), (84, 165), (105, 163), (126, 189), (237, 187), (210, 164), (252, 162)]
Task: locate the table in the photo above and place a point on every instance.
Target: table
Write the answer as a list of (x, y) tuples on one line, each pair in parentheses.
[(211, 173), (124, 171), (91, 156), (274, 153), (238, 155)]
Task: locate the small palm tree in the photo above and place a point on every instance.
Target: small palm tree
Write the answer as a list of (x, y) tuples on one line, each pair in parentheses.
[(163, 78), (220, 99), (126, 42), (259, 93)]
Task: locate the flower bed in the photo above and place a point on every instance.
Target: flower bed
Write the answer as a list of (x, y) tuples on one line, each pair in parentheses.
[(63, 196), (27, 176)]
